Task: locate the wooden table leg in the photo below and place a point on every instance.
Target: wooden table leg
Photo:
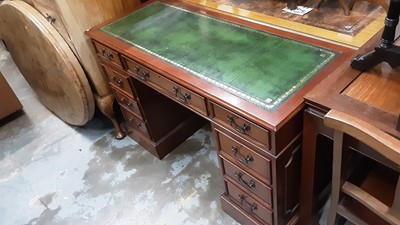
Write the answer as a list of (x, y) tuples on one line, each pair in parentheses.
[(310, 133), (316, 166), (105, 105)]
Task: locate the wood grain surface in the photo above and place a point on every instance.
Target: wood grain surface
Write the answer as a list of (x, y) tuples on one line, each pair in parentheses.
[(46, 62), (379, 89), (79, 16)]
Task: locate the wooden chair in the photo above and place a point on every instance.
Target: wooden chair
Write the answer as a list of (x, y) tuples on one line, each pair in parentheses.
[(346, 194)]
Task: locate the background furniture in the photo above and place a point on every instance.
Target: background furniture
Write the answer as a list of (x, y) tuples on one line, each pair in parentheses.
[(8, 101), (371, 95), (46, 62), (359, 201), (71, 19), (259, 150)]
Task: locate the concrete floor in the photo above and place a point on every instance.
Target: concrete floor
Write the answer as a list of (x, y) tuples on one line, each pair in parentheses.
[(53, 173)]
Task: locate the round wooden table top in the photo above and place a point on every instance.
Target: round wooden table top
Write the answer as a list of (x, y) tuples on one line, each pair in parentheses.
[(46, 62)]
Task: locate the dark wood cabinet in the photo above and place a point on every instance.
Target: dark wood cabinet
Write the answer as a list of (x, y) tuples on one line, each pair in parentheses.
[(163, 103)]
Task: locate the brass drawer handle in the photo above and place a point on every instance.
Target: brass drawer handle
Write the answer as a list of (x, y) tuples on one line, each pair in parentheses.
[(120, 83), (138, 124), (123, 101), (136, 69), (182, 97), (110, 56), (240, 157), (249, 184), (247, 204), (103, 51), (175, 89), (145, 75), (239, 129)]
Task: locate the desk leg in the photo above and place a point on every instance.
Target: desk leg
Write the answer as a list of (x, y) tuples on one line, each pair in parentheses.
[(310, 133), (105, 105)]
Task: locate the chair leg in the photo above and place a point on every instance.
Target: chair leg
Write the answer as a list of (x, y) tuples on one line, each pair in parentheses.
[(351, 4), (344, 7), (318, 4), (336, 176)]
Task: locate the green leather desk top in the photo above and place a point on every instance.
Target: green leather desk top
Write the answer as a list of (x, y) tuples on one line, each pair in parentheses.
[(256, 66)]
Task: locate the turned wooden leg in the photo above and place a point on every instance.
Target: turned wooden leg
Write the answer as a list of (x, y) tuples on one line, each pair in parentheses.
[(105, 105), (318, 4), (345, 8)]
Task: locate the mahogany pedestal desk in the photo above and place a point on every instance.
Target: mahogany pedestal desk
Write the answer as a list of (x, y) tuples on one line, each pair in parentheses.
[(173, 66), (372, 96)]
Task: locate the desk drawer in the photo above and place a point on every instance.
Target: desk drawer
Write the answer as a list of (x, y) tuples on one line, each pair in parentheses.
[(246, 157), (128, 103), (236, 212), (247, 181), (168, 87), (135, 123), (242, 126), (108, 54), (248, 204), (119, 81)]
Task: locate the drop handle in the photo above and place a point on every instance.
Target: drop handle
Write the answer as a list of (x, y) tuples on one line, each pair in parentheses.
[(241, 129), (182, 97), (250, 184), (110, 56), (136, 69), (145, 75), (138, 124), (244, 202), (240, 157), (119, 82)]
